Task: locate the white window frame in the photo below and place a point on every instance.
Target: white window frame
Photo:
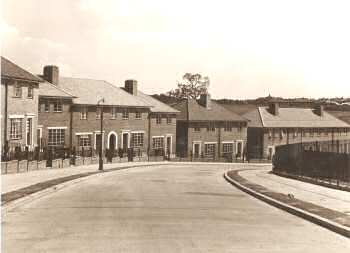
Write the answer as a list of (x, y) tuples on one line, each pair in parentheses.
[(166, 143), (85, 135), (121, 139), (32, 133), (19, 134), (113, 113), (30, 94), (56, 128), (116, 139), (228, 142), (125, 114), (143, 139), (210, 143), (138, 115), (158, 119), (158, 137), (200, 147), (17, 87), (57, 102), (83, 113)]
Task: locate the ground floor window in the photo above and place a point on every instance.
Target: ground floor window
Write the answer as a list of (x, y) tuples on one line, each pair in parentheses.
[(84, 140), (16, 129), (56, 137), (158, 143), (137, 140), (227, 148), (209, 149)]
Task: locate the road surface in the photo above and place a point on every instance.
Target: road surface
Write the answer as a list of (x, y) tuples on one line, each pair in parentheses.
[(174, 208)]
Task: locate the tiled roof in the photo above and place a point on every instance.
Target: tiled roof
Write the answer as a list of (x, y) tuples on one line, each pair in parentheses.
[(197, 112), (157, 106), (293, 117), (47, 89), (89, 91), (11, 70)]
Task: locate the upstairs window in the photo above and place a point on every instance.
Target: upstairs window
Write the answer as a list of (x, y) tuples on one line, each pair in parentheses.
[(17, 91), (228, 127), (30, 92), (138, 115), (113, 113), (46, 107), (159, 119), (197, 129), (57, 106), (211, 127), (168, 120), (83, 113), (125, 115)]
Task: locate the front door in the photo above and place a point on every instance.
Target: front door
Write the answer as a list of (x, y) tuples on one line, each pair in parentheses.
[(196, 150), (112, 142), (125, 141), (239, 149), (98, 141), (29, 131), (168, 145)]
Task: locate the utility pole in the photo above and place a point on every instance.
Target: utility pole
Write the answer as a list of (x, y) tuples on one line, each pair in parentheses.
[(100, 162)]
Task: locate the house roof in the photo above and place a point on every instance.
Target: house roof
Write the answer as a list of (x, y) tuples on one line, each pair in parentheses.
[(47, 89), (292, 117), (157, 106), (193, 111), (89, 91), (13, 71)]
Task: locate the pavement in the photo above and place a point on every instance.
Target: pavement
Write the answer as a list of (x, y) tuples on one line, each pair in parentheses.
[(322, 205), (172, 208)]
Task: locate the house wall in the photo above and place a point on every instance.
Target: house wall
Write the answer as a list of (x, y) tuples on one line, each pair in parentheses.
[(54, 119), (110, 126), (219, 136), (163, 129), (23, 107)]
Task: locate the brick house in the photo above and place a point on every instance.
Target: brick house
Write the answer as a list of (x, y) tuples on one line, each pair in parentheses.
[(19, 106), (161, 122), (206, 129), (54, 112), (272, 126), (128, 115)]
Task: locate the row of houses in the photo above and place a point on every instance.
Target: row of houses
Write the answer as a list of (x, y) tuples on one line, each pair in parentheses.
[(49, 110)]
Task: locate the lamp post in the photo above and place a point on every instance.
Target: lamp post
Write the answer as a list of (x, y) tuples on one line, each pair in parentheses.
[(100, 161)]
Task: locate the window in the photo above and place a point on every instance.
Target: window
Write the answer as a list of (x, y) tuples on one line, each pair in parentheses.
[(158, 143), (197, 129), (138, 115), (83, 113), (46, 107), (56, 137), (295, 133), (84, 140), (270, 134), (125, 115), (57, 106), (209, 149), (98, 112), (211, 127), (137, 140), (30, 92), (159, 119), (311, 132), (114, 113), (227, 148), (168, 120), (16, 129), (282, 133), (228, 127), (17, 91)]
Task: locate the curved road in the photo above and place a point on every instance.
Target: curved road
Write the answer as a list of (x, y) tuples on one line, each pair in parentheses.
[(177, 208)]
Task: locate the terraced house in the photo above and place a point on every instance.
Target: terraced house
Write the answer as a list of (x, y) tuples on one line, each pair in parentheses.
[(128, 116), (19, 106), (207, 130), (273, 125)]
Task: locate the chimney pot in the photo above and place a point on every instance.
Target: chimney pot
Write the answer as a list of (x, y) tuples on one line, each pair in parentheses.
[(205, 101), (319, 110), (51, 74), (131, 86), (274, 108)]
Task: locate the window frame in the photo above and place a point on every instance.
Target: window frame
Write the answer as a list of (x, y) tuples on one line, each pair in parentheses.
[(30, 92), (17, 88), (206, 149), (59, 139), (83, 113), (57, 106), (16, 128), (158, 119), (140, 140), (125, 114), (113, 113), (86, 138), (156, 145), (138, 115)]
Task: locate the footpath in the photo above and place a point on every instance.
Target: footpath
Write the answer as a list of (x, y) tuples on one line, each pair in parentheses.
[(20, 185), (324, 206)]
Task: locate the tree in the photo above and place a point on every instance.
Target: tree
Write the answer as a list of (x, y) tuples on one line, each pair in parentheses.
[(192, 86)]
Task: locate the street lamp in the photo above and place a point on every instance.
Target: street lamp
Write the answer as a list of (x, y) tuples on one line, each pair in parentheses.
[(100, 161)]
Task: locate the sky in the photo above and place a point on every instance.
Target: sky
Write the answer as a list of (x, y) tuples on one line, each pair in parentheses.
[(248, 48)]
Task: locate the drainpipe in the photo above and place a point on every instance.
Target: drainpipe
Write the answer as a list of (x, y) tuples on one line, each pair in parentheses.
[(6, 113), (149, 135)]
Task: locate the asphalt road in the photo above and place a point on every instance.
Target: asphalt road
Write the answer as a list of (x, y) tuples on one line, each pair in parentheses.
[(177, 208)]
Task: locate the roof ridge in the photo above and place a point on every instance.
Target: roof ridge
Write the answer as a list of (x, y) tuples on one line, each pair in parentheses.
[(34, 77), (233, 113), (83, 78)]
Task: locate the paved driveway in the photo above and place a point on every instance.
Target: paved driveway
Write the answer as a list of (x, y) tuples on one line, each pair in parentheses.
[(176, 208)]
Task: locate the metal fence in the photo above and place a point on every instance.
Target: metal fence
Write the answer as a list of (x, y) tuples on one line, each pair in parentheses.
[(321, 161)]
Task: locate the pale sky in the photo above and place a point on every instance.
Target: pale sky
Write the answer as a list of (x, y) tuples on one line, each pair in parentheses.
[(248, 48)]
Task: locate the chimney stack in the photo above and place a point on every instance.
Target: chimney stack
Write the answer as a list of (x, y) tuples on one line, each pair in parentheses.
[(51, 74), (204, 100), (319, 110), (131, 86), (274, 108)]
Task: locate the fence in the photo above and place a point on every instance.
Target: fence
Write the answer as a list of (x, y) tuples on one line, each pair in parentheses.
[(320, 161)]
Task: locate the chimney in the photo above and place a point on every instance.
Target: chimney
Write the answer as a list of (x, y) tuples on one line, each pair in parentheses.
[(51, 74), (274, 108), (319, 110), (204, 100), (131, 86)]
